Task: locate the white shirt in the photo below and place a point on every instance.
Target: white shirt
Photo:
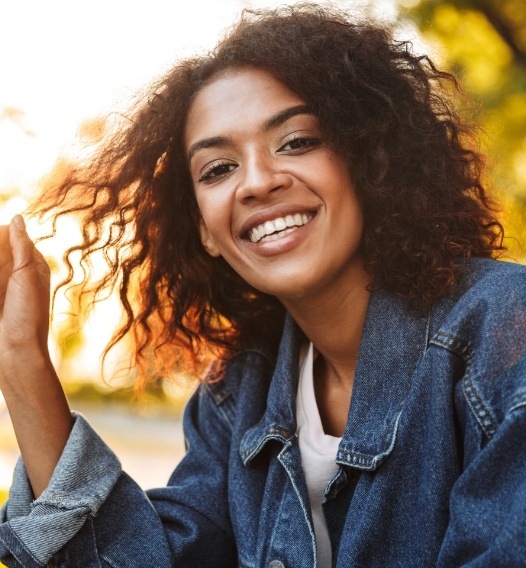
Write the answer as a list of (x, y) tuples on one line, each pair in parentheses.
[(318, 454)]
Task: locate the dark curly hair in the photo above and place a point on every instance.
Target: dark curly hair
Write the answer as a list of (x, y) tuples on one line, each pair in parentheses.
[(385, 110)]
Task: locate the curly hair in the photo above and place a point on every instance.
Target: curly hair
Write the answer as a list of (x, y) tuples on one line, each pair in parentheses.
[(385, 110)]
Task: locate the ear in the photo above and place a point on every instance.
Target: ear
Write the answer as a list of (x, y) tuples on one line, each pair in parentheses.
[(207, 240)]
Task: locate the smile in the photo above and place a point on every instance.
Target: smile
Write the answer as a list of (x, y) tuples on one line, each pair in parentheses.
[(275, 229)]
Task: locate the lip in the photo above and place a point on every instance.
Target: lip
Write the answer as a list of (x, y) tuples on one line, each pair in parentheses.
[(270, 214)]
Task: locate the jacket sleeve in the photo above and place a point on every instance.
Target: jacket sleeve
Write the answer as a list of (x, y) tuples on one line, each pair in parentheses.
[(487, 527), (93, 514)]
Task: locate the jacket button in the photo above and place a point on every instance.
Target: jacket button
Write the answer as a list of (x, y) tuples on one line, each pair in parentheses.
[(276, 564)]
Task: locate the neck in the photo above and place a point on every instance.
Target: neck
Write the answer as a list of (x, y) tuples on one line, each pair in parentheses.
[(333, 320)]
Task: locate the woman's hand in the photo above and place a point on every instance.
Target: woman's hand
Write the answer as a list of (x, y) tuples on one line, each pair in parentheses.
[(32, 391), (24, 298)]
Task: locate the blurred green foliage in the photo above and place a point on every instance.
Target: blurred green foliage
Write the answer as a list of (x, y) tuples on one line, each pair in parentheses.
[(158, 397), (483, 42)]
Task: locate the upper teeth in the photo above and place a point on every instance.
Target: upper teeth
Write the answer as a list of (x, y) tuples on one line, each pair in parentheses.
[(277, 228)]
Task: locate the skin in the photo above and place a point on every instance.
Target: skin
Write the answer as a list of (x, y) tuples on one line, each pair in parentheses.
[(33, 394), (257, 153)]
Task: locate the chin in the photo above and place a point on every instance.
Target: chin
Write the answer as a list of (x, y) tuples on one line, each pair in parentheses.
[(284, 291)]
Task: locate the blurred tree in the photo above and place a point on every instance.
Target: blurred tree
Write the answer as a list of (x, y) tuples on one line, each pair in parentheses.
[(484, 43)]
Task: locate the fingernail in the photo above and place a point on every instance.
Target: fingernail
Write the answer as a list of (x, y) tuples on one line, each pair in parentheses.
[(19, 223)]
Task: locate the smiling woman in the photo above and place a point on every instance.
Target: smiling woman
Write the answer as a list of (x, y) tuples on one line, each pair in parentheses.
[(304, 203), (251, 169)]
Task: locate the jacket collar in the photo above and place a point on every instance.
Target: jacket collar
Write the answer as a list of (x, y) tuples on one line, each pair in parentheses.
[(393, 342), (279, 420)]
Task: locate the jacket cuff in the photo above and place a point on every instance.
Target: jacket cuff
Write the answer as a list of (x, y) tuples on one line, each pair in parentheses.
[(83, 478)]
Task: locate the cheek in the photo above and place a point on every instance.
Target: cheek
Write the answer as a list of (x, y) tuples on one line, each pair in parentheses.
[(216, 218), (215, 204), (205, 207)]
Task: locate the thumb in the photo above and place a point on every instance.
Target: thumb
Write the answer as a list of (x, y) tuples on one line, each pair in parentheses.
[(21, 244)]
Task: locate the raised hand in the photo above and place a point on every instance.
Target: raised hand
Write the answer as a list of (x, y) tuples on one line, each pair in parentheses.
[(24, 296), (32, 391)]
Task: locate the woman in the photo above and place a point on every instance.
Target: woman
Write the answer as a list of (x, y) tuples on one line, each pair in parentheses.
[(304, 202)]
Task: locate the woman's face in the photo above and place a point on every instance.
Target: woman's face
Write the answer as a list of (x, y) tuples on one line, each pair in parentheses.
[(276, 202)]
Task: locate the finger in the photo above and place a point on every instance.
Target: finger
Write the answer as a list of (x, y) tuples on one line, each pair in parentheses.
[(41, 264), (21, 244), (38, 256)]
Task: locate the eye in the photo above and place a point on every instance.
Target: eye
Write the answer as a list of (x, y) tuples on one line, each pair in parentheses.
[(299, 144), (217, 170)]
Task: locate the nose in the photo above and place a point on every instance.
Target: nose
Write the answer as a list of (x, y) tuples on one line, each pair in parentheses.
[(262, 176)]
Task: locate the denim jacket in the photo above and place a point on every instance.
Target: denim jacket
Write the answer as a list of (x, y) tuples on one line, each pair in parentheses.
[(432, 463)]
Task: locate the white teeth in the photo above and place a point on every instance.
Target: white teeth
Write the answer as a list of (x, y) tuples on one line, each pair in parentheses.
[(280, 224), (278, 228), (269, 227)]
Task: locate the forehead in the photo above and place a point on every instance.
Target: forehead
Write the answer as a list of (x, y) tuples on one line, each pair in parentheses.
[(236, 99)]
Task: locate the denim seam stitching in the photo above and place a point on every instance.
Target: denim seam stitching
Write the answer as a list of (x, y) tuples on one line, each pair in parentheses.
[(481, 411), (224, 403), (368, 463), (428, 332), (276, 525), (228, 416), (68, 504), (357, 459), (273, 433), (94, 541), (287, 445), (516, 406), (452, 343), (464, 350)]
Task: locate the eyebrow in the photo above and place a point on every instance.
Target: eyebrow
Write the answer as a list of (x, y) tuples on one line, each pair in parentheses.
[(212, 142), (284, 115), (274, 121)]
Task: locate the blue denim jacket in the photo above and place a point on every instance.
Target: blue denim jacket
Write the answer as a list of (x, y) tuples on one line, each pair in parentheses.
[(432, 462)]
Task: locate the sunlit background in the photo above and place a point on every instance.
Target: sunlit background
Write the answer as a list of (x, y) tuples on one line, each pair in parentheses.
[(63, 64)]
